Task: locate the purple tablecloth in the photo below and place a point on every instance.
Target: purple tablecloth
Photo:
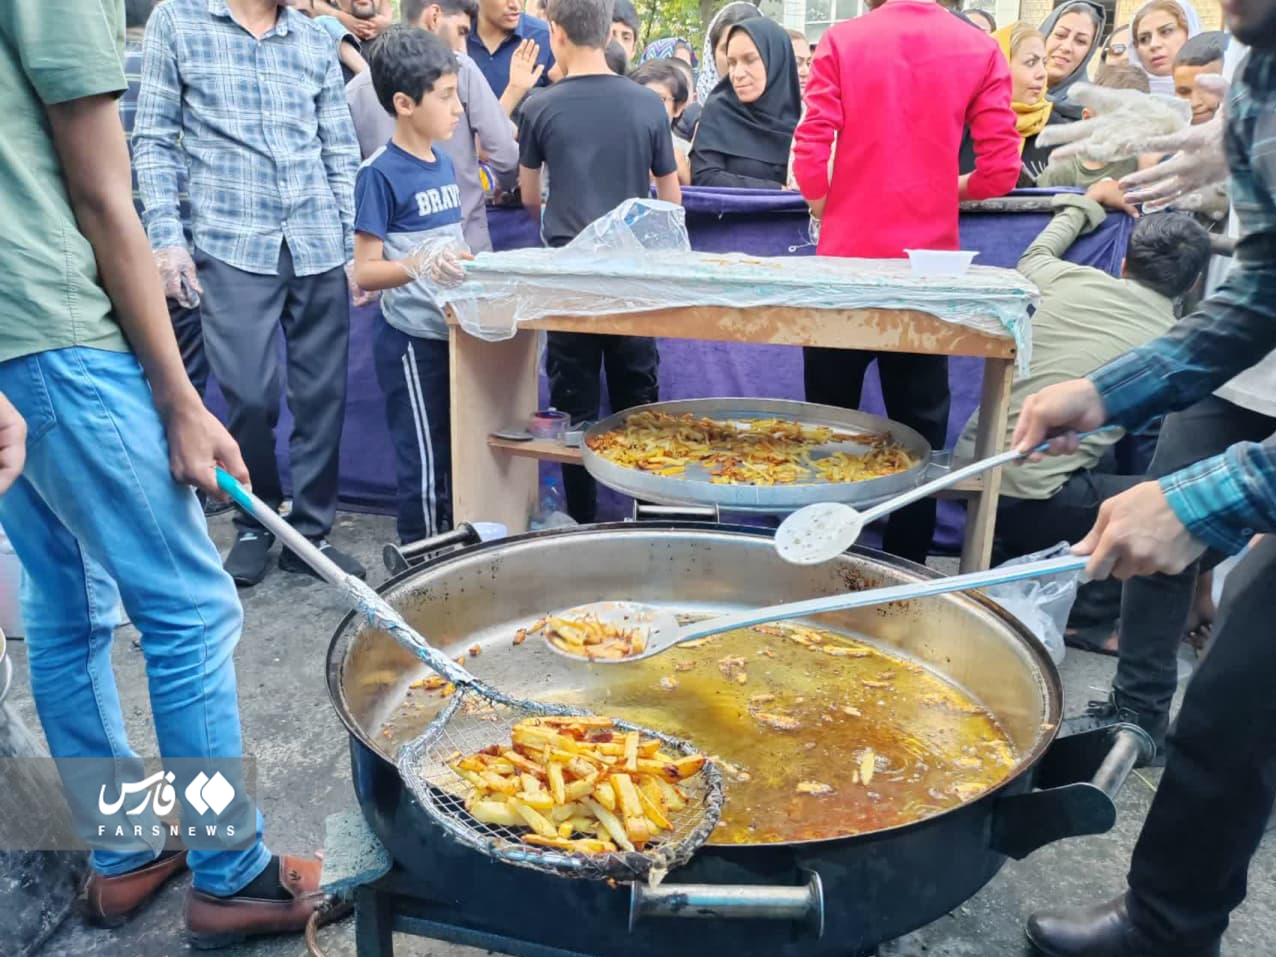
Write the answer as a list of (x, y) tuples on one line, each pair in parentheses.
[(719, 220)]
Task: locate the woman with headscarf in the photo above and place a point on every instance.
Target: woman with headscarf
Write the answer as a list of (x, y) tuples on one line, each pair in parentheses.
[(747, 126), (1157, 33), (1024, 48), (713, 59), (669, 48), (1072, 35)]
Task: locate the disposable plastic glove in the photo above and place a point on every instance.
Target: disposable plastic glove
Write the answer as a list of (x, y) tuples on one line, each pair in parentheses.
[(440, 261), (1127, 123), (1189, 179), (177, 271), (358, 295)]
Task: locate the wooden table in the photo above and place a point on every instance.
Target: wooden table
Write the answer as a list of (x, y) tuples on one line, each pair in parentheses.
[(494, 387)]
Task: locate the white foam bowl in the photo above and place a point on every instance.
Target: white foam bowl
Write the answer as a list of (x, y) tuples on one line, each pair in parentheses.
[(936, 262)]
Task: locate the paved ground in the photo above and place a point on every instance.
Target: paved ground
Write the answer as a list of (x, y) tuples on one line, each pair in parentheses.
[(304, 776)]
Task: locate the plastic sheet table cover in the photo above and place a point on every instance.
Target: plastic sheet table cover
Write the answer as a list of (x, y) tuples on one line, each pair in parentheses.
[(623, 265)]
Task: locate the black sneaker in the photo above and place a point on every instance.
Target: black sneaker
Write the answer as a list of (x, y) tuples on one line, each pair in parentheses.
[(290, 561), (1108, 711), (250, 557)]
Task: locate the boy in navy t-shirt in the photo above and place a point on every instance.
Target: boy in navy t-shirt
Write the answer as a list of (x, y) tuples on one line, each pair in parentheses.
[(408, 241)]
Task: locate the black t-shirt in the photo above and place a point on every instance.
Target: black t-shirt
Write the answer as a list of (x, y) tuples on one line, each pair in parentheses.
[(602, 137)]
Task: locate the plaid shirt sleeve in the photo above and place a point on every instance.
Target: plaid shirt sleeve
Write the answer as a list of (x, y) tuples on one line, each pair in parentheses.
[(156, 132), (1223, 501), (340, 149)]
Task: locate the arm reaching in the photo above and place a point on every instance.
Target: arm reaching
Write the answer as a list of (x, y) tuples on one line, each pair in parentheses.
[(95, 163), (1185, 179), (1126, 124)]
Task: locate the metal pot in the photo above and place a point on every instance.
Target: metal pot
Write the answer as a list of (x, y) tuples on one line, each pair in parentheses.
[(841, 896)]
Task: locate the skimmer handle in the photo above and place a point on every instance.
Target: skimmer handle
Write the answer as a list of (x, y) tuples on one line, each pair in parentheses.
[(880, 596)]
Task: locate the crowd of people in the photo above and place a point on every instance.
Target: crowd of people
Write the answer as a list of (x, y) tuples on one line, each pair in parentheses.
[(281, 160)]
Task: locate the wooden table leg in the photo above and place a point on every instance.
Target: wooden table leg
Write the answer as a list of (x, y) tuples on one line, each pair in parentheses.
[(493, 387), (990, 438)]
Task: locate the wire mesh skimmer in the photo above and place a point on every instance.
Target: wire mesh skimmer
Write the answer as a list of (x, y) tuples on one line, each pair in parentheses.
[(478, 716)]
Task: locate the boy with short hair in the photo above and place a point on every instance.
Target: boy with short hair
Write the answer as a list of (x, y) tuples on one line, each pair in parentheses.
[(408, 239), (597, 172), (666, 79), (624, 28), (1083, 173), (1203, 53)]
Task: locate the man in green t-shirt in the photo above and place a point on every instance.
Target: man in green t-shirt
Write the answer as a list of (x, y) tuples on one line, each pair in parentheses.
[(103, 509)]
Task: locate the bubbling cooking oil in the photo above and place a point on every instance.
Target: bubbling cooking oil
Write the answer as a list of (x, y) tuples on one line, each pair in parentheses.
[(819, 735)]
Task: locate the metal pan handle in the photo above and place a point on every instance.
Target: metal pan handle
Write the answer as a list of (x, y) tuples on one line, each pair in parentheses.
[(803, 904), (1078, 781), (399, 558)]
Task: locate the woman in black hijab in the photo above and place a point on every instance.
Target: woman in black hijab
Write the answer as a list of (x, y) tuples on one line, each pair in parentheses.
[(747, 125)]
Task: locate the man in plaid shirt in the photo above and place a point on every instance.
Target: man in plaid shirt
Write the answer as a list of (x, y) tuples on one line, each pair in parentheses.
[(246, 95), (1189, 867)]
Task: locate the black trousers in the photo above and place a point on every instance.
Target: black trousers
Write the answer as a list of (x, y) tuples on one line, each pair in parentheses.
[(1029, 525), (188, 329), (242, 315), (575, 362), (414, 376), (916, 392), (1154, 610), (1190, 864)]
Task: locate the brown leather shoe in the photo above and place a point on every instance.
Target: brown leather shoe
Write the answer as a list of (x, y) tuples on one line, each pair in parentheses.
[(221, 921), (110, 901)]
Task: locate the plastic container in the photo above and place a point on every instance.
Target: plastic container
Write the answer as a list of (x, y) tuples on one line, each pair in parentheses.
[(551, 511), (936, 262)]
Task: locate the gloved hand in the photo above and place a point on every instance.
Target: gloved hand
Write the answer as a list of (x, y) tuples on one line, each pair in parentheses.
[(358, 295), (439, 260), (813, 230), (1189, 179), (177, 272), (1127, 123)]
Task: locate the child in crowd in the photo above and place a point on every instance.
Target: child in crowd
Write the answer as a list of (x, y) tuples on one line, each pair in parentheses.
[(624, 28), (667, 80), (1202, 54), (684, 125), (1081, 173), (407, 238), (604, 139)]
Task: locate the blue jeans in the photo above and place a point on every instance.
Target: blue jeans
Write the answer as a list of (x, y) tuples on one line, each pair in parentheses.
[(96, 517)]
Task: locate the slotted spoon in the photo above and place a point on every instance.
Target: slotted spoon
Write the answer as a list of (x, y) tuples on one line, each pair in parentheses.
[(661, 630), (820, 532), (477, 716)]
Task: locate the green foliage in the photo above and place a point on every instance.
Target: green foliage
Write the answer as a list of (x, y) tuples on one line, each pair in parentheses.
[(674, 18)]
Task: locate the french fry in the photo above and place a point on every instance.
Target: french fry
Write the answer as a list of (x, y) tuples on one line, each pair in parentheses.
[(540, 800), (626, 796), (672, 795), (534, 819), (577, 784), (610, 823), (580, 846), (496, 812), (557, 786), (654, 812), (605, 795)]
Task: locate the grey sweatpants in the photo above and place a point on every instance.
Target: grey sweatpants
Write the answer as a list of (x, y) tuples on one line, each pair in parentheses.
[(243, 313)]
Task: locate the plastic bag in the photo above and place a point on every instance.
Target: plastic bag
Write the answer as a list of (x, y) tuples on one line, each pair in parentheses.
[(1043, 604), (638, 258), (438, 260), (636, 225)]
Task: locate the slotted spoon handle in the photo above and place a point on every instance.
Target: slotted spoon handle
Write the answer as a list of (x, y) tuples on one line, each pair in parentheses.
[(957, 475), (881, 596), (361, 595)]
